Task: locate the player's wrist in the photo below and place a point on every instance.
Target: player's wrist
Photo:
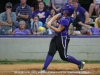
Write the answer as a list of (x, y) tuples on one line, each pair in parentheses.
[(50, 26)]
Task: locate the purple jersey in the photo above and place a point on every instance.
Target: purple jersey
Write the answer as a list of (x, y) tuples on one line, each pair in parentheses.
[(42, 15), (19, 32), (64, 21), (80, 11), (95, 31)]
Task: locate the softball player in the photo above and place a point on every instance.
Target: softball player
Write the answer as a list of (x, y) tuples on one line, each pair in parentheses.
[(61, 39)]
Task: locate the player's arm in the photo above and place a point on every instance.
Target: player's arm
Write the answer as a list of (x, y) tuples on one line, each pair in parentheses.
[(54, 19), (85, 25), (62, 25), (59, 29)]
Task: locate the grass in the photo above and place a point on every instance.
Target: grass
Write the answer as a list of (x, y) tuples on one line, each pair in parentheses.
[(38, 61), (26, 61)]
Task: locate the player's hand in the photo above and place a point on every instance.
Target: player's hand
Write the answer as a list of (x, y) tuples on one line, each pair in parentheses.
[(49, 24)]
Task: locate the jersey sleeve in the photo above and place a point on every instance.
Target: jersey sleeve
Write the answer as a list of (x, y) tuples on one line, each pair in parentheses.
[(64, 22)]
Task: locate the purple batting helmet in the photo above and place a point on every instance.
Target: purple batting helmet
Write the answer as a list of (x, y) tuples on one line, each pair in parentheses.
[(69, 9)]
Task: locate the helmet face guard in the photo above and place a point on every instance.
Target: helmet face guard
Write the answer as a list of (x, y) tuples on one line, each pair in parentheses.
[(69, 9)]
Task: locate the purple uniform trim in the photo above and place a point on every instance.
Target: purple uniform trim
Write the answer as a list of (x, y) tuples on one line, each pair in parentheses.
[(64, 22), (64, 42), (47, 61)]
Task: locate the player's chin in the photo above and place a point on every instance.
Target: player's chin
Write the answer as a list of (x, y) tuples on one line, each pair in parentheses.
[(65, 13)]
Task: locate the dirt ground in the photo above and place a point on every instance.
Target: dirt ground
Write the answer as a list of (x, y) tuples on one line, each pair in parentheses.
[(53, 69)]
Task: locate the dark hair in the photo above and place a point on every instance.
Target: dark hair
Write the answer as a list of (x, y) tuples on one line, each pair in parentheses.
[(36, 16), (35, 4), (68, 14), (45, 7), (76, 1), (54, 10)]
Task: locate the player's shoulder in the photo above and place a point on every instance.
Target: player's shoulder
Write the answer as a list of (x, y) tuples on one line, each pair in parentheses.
[(63, 19)]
